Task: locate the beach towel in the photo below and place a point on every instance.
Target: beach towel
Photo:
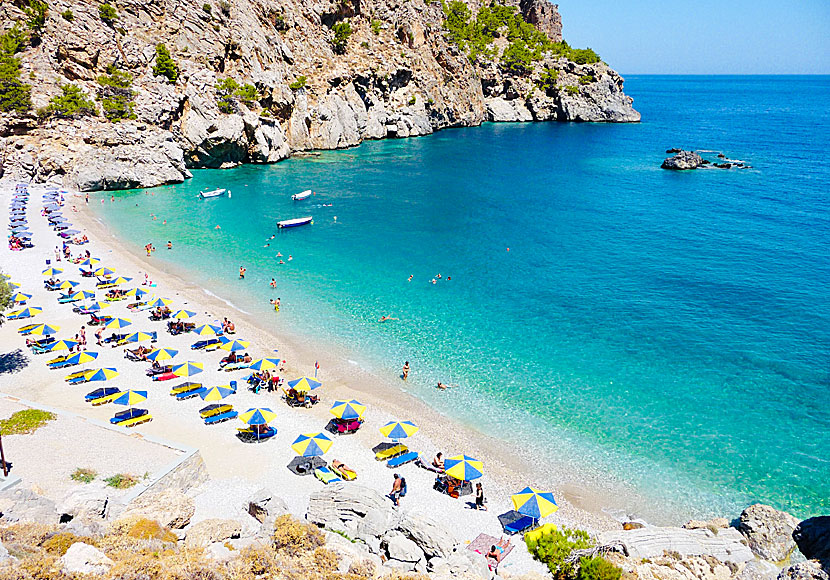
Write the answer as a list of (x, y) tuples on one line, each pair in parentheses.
[(481, 545)]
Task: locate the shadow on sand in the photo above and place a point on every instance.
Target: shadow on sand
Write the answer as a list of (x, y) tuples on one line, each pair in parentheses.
[(13, 362)]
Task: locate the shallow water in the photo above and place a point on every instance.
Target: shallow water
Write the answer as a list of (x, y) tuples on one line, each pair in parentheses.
[(664, 331)]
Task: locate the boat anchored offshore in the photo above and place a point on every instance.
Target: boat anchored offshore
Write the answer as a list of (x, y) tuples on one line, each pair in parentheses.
[(301, 196), (295, 222), (214, 193)]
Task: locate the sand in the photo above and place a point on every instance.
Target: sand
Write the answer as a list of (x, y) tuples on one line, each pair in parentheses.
[(264, 464)]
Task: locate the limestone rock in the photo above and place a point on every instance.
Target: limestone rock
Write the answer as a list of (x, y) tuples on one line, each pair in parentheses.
[(399, 547), (768, 531), (683, 161), (90, 502), (82, 558), (727, 545), (809, 570), (427, 534), (23, 505), (499, 109), (361, 512), (758, 570), (813, 538), (713, 524), (171, 508), (213, 530), (4, 553), (221, 553), (264, 503)]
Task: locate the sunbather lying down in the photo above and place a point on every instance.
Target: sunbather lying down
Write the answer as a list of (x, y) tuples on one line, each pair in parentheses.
[(497, 549)]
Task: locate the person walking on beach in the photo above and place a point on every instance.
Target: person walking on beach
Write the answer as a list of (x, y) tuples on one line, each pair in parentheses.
[(99, 334), (83, 337), (242, 273), (398, 489), (405, 370), (480, 501)]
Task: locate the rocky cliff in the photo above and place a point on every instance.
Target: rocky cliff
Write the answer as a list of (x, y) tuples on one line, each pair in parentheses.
[(398, 74)]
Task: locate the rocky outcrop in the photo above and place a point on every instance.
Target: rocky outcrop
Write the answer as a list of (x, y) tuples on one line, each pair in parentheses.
[(813, 538), (206, 532), (82, 558), (170, 508), (683, 161), (25, 506), (768, 531), (810, 570), (727, 545)]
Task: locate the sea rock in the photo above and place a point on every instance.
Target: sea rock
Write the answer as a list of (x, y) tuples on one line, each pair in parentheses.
[(674, 150), (768, 531), (499, 109), (23, 505), (683, 161), (813, 538), (809, 570), (758, 570), (672, 566), (82, 558), (428, 534), (171, 508), (212, 530), (727, 545)]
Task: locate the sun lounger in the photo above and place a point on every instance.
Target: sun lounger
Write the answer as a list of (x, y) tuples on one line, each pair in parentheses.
[(325, 475), (123, 341), (188, 386), (26, 329), (248, 435), (345, 472), (56, 361), (206, 344), (123, 416), (424, 465), (402, 459), (515, 523), (41, 349), (138, 306), (136, 421), (214, 409), (235, 367), (183, 396), (389, 452), (536, 533), (452, 487), (159, 370), (102, 392), (164, 377), (305, 465), (43, 342), (69, 299), (220, 418), (347, 428), (74, 375), (116, 338)]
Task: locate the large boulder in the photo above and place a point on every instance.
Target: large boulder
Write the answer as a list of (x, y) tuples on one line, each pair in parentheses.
[(768, 531), (428, 534), (503, 110), (809, 570), (265, 504), (401, 549), (23, 505), (206, 532), (82, 558), (813, 538), (649, 542), (361, 512), (171, 508), (683, 161), (90, 502)]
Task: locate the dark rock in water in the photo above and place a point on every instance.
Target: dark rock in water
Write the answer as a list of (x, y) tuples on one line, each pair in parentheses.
[(721, 156), (673, 150), (810, 570), (705, 162), (683, 160), (813, 538), (723, 165)]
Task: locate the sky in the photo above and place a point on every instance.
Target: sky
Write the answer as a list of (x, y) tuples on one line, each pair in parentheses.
[(704, 36)]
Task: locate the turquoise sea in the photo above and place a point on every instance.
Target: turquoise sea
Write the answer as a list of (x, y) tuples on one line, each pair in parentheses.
[(665, 332)]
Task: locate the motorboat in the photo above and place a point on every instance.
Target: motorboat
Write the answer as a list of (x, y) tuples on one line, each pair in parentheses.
[(302, 195), (295, 222), (214, 193)]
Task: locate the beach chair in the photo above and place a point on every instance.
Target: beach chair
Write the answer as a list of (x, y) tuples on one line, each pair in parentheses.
[(41, 349), (515, 523), (305, 465), (325, 475), (248, 435), (214, 409), (402, 459), (116, 339), (123, 341), (42, 343), (138, 306), (206, 344), (429, 467), (235, 367), (105, 399), (27, 329), (536, 533), (388, 453), (56, 361), (159, 370), (221, 418), (184, 395), (164, 377), (99, 393), (136, 421), (345, 472), (123, 416), (74, 375), (188, 386), (347, 427)]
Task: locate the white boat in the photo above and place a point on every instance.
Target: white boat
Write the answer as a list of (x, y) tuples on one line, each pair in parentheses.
[(295, 222), (213, 193), (302, 195)]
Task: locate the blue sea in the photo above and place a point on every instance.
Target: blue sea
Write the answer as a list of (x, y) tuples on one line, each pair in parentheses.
[(666, 332)]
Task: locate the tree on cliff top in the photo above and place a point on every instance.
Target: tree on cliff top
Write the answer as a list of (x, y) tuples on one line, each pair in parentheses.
[(165, 66)]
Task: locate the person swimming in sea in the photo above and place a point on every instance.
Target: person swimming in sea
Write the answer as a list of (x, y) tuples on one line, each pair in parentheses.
[(441, 386), (385, 318), (273, 283)]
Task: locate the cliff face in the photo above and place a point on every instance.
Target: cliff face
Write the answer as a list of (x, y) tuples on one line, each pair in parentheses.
[(399, 76)]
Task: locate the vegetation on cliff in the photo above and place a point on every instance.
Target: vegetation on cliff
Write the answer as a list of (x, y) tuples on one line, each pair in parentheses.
[(115, 94), (165, 65), (14, 94), (70, 104), (554, 547)]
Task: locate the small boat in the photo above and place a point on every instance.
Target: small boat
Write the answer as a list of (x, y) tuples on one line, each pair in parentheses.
[(301, 196), (295, 222), (214, 193)]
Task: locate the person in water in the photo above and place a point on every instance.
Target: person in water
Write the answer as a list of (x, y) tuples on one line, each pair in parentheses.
[(242, 272), (273, 283), (405, 370), (444, 387), (169, 245), (385, 318)]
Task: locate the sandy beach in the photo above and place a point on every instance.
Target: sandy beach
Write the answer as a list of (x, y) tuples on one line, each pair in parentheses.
[(506, 470)]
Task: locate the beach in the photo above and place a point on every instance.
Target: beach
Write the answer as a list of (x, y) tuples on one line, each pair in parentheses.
[(506, 472)]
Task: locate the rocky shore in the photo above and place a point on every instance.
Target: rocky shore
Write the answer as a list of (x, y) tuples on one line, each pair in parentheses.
[(398, 75)]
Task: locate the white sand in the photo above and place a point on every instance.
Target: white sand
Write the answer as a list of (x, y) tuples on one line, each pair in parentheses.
[(225, 456)]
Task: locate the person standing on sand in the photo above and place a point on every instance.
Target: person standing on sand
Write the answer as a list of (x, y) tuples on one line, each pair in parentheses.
[(405, 370), (99, 334), (83, 337), (86, 198), (480, 501), (397, 486)]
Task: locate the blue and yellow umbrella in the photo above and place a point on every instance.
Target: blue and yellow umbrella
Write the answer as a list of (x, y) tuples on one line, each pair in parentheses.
[(207, 330), (62, 345), (161, 354), (188, 369), (130, 398), (118, 323), (233, 345), (258, 416), (183, 314), (120, 280), (24, 313), (348, 410), (100, 374), (104, 271), (51, 272), (311, 444), (80, 358), (264, 364), (534, 503), (137, 292), (160, 302), (304, 384), (44, 329), (98, 306), (67, 285), (20, 297), (399, 429), (89, 262), (216, 393), (138, 337), (82, 295), (463, 467)]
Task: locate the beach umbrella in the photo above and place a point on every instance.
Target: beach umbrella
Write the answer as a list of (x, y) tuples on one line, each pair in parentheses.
[(347, 410), (14, 285), (96, 306), (118, 323), (138, 337), (534, 503), (183, 314), (71, 232), (62, 345), (206, 330), (463, 468), (104, 271), (67, 285), (216, 393), (311, 444), (120, 280), (100, 374), (137, 292), (83, 295), (20, 297), (399, 429), (24, 313), (188, 369), (264, 364), (80, 358), (161, 354), (51, 271), (89, 262), (234, 345), (159, 302), (130, 398), (258, 416), (18, 229), (304, 384), (44, 329)]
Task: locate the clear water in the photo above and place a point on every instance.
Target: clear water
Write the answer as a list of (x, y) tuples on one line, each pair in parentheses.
[(665, 331)]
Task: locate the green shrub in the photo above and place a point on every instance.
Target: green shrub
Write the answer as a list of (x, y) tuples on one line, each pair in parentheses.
[(13, 40), (597, 569), (14, 94), (547, 80), (5, 295), (83, 475), (517, 58), (583, 56), (342, 32), (107, 13), (121, 481), (225, 7), (279, 22), (36, 14), (586, 80), (67, 15), (165, 66), (25, 422), (375, 26), (572, 90), (206, 8), (247, 93), (225, 89), (364, 44), (118, 107), (115, 77), (412, 100), (299, 83), (552, 549)]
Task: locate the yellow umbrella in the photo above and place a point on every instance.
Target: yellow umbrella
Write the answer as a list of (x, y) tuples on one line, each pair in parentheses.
[(67, 285), (188, 369), (534, 503), (216, 393), (463, 468), (161, 354), (63, 345), (258, 416), (399, 429), (348, 410), (183, 314), (311, 444), (104, 271), (304, 384), (100, 374), (44, 329), (118, 323), (121, 280), (20, 297), (233, 345), (51, 271)]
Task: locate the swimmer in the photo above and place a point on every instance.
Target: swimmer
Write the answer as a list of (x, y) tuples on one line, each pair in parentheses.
[(272, 237), (164, 223), (169, 245), (290, 257), (444, 387), (275, 304), (273, 283), (267, 246), (410, 278), (449, 278), (281, 262), (385, 318), (279, 254), (242, 272), (217, 228), (434, 281)]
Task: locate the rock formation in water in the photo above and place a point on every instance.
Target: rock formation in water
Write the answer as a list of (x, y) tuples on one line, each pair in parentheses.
[(301, 75)]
